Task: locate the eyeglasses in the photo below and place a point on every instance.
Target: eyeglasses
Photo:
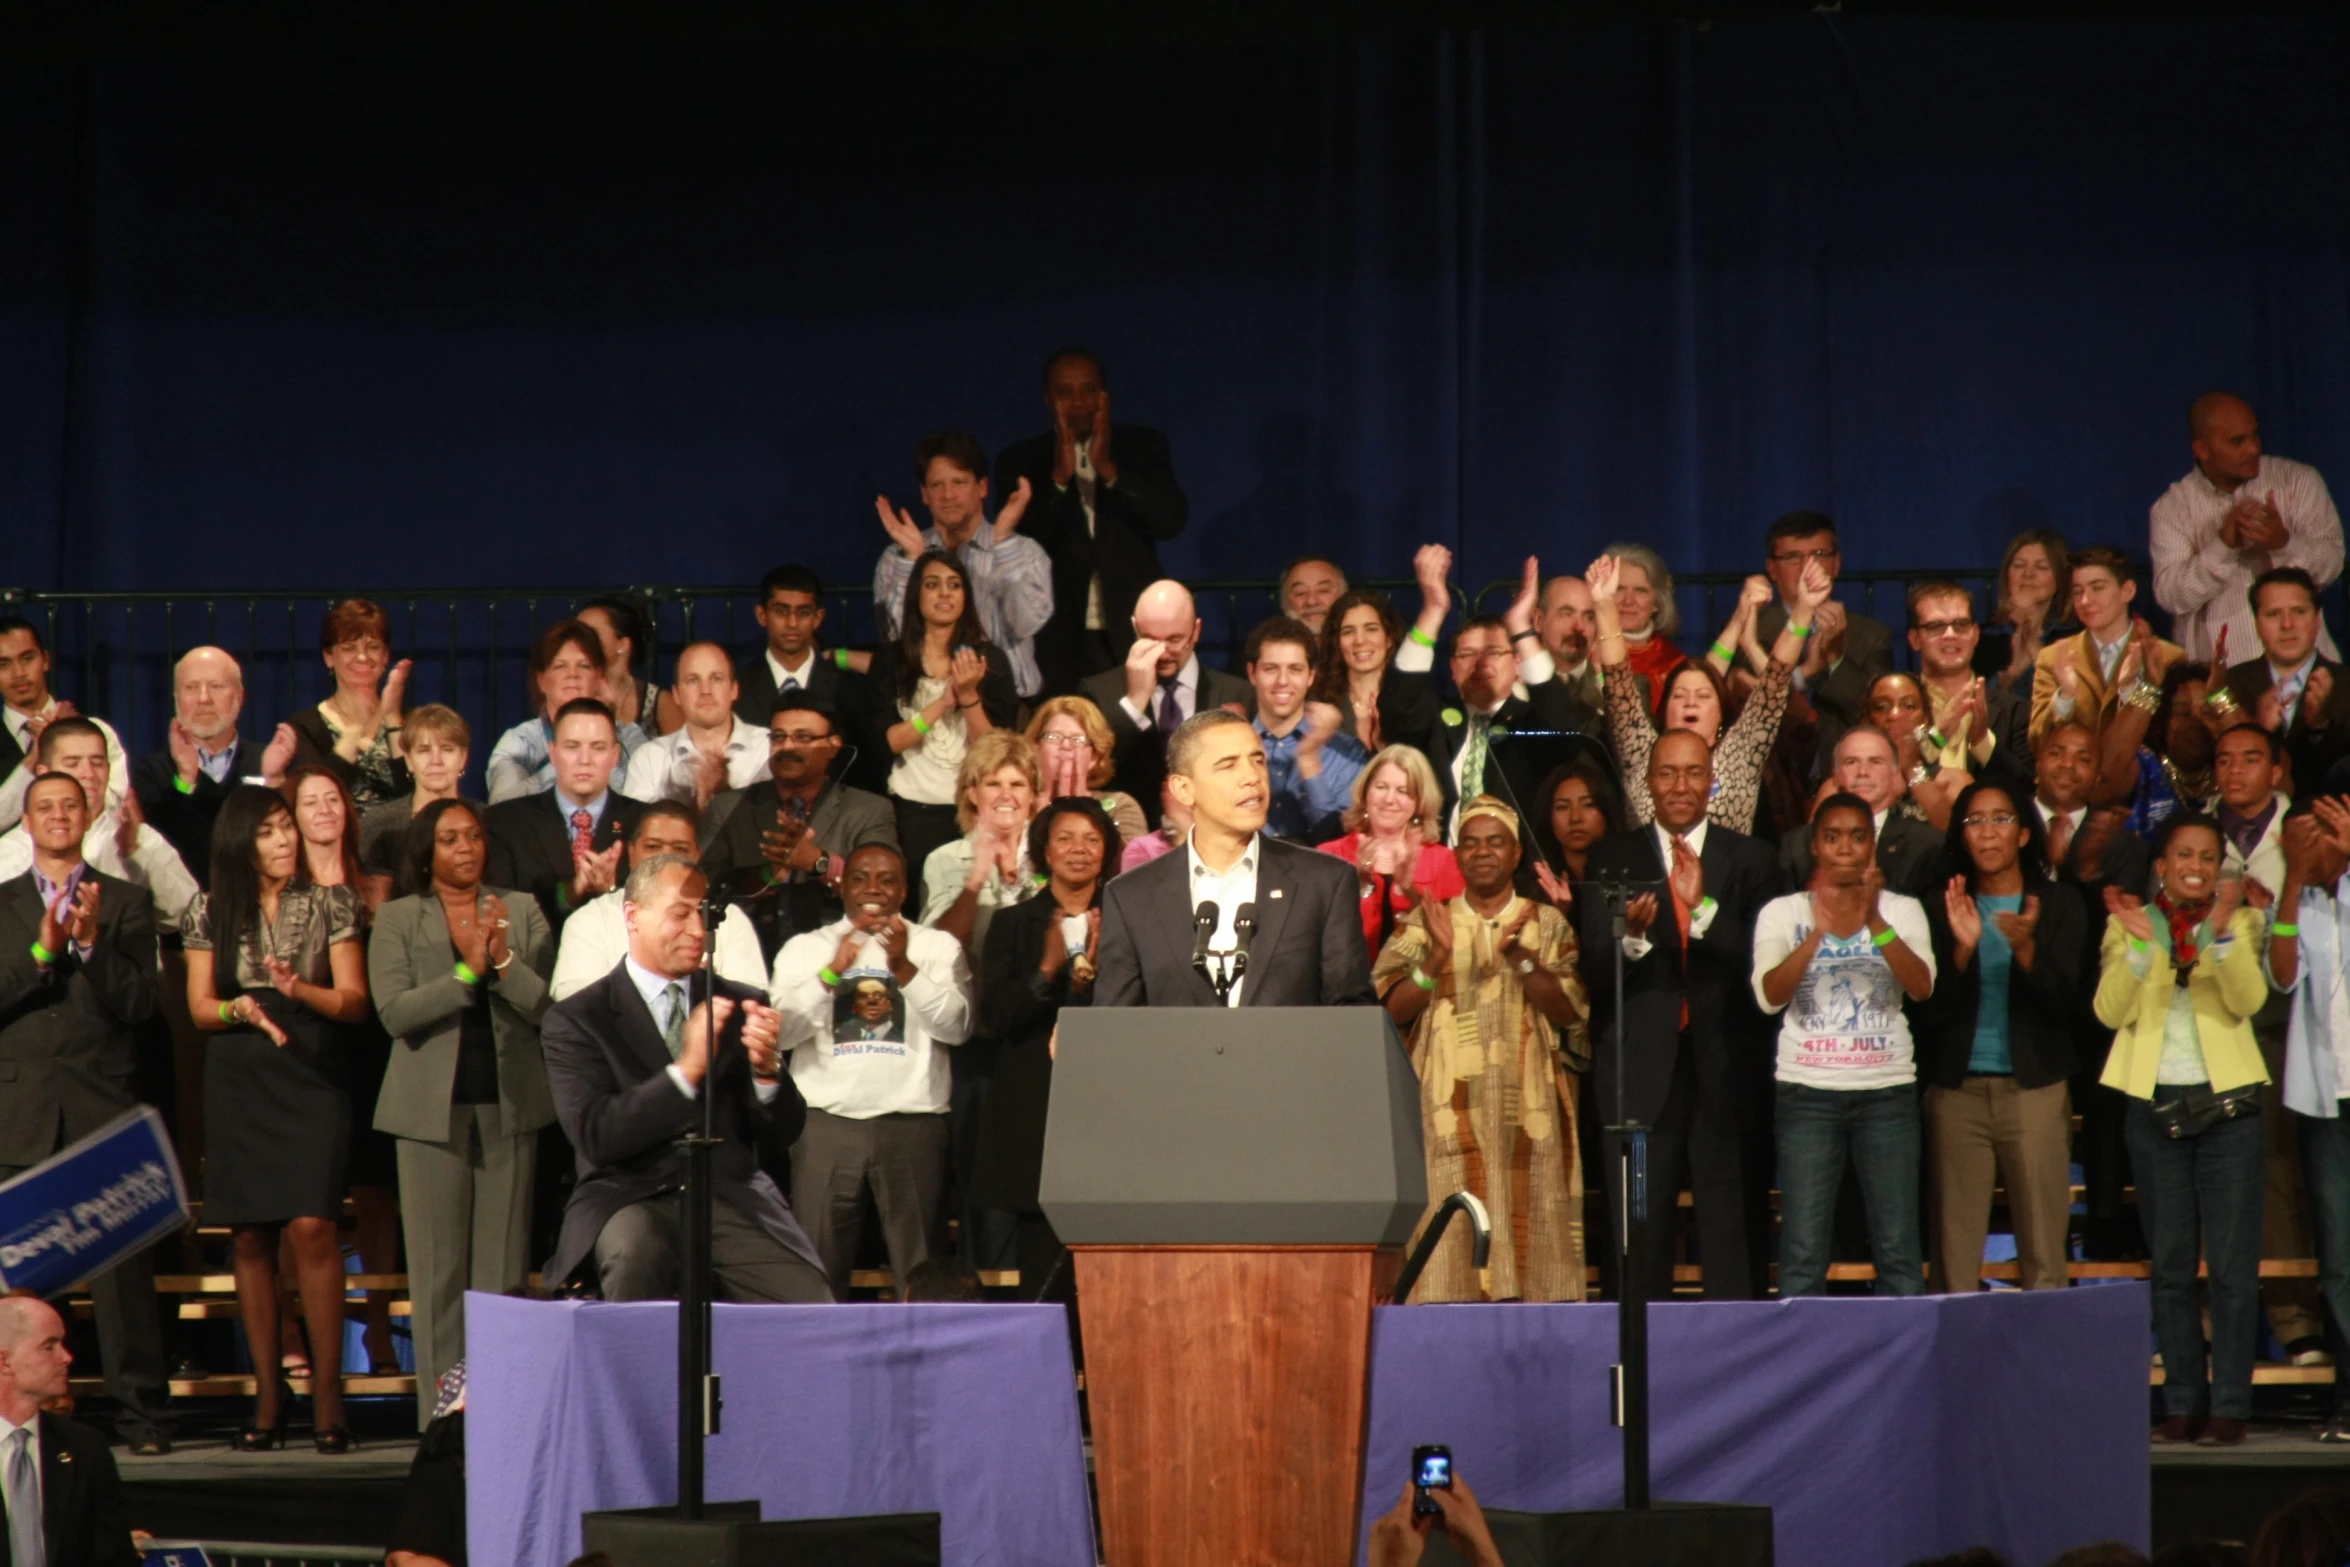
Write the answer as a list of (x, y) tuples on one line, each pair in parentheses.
[(1798, 557), (1946, 628), (1480, 656), (1994, 819), (1069, 740), (777, 737)]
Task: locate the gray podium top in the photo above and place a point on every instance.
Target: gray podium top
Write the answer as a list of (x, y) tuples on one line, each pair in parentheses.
[(1248, 1126)]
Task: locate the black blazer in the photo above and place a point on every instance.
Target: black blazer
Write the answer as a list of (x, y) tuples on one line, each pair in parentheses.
[(1139, 754), (1909, 855), (530, 845), (68, 1060), (2310, 749), (847, 693), (2043, 1003), (845, 821), (2127, 863), (1841, 696), (609, 1071), (1717, 979), (85, 1521), (1411, 712), (185, 820), (1520, 761), (1307, 952), (1018, 1007), (997, 697), (1131, 519)]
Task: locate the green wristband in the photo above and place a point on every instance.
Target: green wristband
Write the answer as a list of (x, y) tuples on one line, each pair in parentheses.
[(466, 976), (1723, 650), (1419, 636), (1797, 631), (1886, 937), (183, 785), (1422, 980), (831, 980), (42, 955), (227, 1015), (2284, 930), (840, 658), (921, 725)]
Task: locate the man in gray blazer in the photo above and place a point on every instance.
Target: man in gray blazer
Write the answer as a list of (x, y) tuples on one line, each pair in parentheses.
[(77, 977), (1161, 684), (629, 1059), (1303, 943), (780, 847), (467, 1147)]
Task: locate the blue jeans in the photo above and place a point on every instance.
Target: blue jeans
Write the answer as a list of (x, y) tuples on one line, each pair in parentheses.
[(2325, 1166), (1878, 1128), (2199, 1200)]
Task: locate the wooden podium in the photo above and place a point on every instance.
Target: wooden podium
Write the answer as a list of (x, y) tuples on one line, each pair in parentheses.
[(1236, 1187)]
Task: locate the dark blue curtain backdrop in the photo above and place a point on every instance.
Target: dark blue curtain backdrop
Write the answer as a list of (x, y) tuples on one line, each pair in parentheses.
[(476, 316)]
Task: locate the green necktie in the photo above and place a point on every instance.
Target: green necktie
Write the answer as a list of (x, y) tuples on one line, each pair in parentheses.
[(1473, 756), (673, 1032)]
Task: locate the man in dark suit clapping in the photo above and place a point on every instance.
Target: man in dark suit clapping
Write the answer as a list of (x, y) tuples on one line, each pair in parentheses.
[(1693, 1062), (63, 1496), (1304, 947), (77, 978), (1102, 504), (569, 844), (628, 1060)]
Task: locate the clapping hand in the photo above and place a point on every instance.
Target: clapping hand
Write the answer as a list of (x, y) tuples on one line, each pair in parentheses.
[(965, 674), (2333, 814), (494, 925), (703, 1021), (1966, 918), (2020, 930), (893, 943), (1322, 720), (1639, 914), (2315, 696), (1601, 577), (57, 921), (762, 1031), (2224, 904), (1688, 876), (278, 755), (899, 525), (1559, 889), (594, 873), (1758, 592), (129, 818), (1007, 521), (388, 708), (282, 977), (1520, 614), (1105, 467), (1436, 920), (185, 758), (1432, 568), (1811, 590), (2130, 912)]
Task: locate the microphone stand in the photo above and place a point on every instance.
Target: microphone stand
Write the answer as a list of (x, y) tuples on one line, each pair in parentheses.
[(698, 1400), (1630, 1372)]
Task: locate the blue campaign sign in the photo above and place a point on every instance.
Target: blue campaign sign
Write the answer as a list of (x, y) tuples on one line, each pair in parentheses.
[(175, 1556), (89, 1207)]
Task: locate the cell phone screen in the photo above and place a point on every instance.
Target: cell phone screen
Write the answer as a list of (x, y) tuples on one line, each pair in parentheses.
[(1431, 1470)]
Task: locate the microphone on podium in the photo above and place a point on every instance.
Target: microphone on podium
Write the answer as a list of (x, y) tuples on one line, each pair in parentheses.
[(1203, 930), (1244, 926)]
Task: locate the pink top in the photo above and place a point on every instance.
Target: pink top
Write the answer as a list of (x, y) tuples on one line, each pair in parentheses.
[(1143, 850), (1437, 875)]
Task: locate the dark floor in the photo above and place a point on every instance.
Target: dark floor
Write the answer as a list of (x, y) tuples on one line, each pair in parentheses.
[(2212, 1493)]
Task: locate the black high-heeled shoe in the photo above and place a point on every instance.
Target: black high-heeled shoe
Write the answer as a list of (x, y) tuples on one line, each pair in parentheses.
[(332, 1440), (262, 1439)]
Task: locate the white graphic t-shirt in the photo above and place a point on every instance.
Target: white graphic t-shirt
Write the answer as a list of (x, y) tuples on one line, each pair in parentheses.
[(1844, 1027)]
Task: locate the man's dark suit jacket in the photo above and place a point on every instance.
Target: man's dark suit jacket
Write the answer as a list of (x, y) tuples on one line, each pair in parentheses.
[(1909, 856), (2125, 862), (68, 1061), (185, 820), (845, 821), (530, 846), (609, 1071), (1131, 519), (85, 1521), (1140, 753), (848, 694), (1841, 696), (1307, 952), (2311, 749), (2044, 1003), (1716, 976), (2011, 765), (1519, 761)]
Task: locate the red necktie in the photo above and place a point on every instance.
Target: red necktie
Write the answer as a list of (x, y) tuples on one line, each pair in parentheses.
[(583, 833)]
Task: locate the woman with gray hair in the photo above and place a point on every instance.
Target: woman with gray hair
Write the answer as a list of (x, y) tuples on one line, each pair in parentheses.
[(1646, 618)]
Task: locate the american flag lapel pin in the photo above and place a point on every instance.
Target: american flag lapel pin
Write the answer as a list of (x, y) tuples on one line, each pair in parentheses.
[(1276, 892)]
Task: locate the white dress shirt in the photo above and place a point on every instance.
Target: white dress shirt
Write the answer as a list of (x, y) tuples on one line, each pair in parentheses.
[(864, 1078), (595, 939), (2289, 684), (804, 677), (2203, 583), (1228, 890), (667, 768), (1701, 918), (12, 788), (33, 1448), (1087, 482), (153, 864), (1186, 696)]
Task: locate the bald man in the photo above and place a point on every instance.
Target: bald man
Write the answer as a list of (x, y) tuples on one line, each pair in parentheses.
[(1161, 684), (180, 787), (63, 1496), (2238, 513)]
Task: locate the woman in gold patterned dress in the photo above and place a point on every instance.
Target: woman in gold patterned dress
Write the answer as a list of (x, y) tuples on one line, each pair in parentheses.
[(1487, 986)]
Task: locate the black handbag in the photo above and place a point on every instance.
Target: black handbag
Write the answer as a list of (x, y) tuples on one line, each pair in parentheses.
[(2197, 1110)]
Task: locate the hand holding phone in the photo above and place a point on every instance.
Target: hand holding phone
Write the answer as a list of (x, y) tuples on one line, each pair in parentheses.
[(1431, 1471)]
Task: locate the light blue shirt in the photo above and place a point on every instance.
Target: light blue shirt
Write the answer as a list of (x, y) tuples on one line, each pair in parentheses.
[(2315, 1033), (215, 764), (594, 808), (1995, 961), (1298, 805)]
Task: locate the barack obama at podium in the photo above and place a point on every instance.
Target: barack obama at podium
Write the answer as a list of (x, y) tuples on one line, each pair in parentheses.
[(1234, 918)]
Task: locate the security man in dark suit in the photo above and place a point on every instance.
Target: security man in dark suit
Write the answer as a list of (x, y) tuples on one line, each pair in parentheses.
[(58, 1484), (1103, 503), (1304, 945), (629, 1059), (1695, 1062), (1161, 683), (571, 843), (791, 612), (1909, 852), (77, 978)]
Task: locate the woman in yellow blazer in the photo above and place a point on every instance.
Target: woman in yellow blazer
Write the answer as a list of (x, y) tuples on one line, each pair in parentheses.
[(2178, 984)]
